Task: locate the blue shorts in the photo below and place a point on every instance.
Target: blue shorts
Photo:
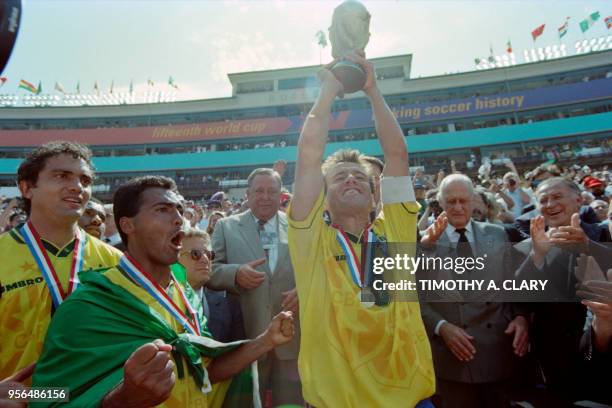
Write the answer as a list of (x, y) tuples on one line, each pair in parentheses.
[(426, 403)]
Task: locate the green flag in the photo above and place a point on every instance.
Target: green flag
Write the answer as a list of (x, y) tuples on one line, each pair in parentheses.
[(172, 83), (321, 39), (589, 21), (96, 330), (39, 89)]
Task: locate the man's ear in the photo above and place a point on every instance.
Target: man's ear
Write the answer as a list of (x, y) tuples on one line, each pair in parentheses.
[(126, 225), (26, 189)]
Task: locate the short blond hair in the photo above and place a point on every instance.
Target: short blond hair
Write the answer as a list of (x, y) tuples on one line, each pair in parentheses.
[(198, 233), (346, 156)]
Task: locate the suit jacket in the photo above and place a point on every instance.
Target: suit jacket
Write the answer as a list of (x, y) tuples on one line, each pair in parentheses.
[(485, 321), (587, 215), (557, 264), (596, 372), (225, 316), (558, 326), (236, 242)]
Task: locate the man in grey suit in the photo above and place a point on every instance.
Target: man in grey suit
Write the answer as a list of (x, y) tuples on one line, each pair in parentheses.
[(475, 344), (252, 259)]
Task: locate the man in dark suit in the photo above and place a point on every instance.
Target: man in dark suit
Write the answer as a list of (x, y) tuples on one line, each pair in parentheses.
[(252, 259), (596, 342), (475, 344), (557, 238), (224, 318)]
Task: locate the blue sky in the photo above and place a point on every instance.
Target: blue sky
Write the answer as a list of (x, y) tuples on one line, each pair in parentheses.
[(199, 42)]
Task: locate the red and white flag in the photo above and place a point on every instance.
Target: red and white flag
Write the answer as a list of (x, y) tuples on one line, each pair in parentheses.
[(537, 32)]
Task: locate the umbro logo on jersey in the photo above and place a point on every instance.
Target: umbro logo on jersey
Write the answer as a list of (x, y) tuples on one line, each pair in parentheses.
[(20, 284)]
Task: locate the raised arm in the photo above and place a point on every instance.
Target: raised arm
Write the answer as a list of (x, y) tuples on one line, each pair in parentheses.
[(311, 146), (525, 199), (388, 130)]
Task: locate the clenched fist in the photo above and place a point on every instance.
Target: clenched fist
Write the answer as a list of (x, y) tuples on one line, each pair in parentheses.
[(148, 378)]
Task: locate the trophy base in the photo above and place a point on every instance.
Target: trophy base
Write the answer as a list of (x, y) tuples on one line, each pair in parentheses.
[(351, 75)]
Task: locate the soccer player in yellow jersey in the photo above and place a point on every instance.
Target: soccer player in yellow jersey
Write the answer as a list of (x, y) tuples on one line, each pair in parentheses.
[(55, 181), (354, 354), (126, 347)]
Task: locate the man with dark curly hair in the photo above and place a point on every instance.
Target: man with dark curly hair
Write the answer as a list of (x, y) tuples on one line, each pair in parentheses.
[(41, 259)]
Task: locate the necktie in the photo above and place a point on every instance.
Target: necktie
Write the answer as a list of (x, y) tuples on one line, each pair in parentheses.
[(261, 226), (464, 249)]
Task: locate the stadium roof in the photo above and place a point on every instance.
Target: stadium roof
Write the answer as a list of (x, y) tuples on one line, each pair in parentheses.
[(396, 85)]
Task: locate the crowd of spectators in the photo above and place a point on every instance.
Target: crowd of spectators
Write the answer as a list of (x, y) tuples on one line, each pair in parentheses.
[(506, 199)]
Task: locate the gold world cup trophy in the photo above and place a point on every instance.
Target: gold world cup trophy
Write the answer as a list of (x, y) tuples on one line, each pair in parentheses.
[(349, 33)]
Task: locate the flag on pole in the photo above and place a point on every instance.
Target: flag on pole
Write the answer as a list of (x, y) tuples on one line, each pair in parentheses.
[(78, 88), (23, 84), (59, 87), (563, 28), (3, 81), (537, 32), (589, 21), (39, 89), (491, 56), (131, 86), (321, 38), (509, 47), (171, 82), (112, 86), (608, 21), (150, 83), (96, 87)]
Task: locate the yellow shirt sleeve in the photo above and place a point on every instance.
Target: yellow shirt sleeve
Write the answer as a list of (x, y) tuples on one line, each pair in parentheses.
[(304, 240), (399, 220)]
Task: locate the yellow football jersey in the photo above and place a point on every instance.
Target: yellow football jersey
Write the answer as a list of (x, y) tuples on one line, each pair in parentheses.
[(352, 355), (25, 302), (185, 392)]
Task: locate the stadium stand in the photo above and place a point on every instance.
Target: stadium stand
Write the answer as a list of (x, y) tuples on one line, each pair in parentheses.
[(559, 109)]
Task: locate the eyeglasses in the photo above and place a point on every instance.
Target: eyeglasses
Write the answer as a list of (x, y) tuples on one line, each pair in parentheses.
[(197, 254)]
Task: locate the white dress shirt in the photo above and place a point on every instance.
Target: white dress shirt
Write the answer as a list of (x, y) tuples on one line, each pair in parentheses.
[(271, 227), (202, 296), (453, 237)]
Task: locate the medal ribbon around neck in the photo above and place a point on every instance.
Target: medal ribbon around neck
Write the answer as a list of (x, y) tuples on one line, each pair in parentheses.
[(357, 269), (39, 253), (145, 280)]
